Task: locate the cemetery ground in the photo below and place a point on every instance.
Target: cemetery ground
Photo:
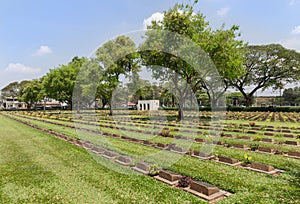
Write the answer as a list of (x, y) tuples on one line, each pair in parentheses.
[(45, 159)]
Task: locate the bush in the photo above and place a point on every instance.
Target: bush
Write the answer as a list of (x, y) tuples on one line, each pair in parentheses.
[(184, 181), (254, 146), (154, 169), (165, 132), (247, 159), (257, 138)]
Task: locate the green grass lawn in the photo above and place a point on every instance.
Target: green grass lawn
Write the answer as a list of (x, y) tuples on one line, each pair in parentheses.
[(247, 186), (38, 168)]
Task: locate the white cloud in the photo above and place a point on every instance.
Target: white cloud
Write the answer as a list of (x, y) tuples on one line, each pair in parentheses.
[(223, 11), (43, 50), (154, 17), (21, 68), (296, 30), (292, 43)]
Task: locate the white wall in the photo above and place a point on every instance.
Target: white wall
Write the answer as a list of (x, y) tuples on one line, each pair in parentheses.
[(148, 105)]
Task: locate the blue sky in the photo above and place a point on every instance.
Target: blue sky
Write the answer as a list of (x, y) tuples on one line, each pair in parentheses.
[(37, 35)]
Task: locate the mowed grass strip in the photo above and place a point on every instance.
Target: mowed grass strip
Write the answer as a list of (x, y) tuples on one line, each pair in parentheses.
[(247, 186), (38, 168), (277, 161)]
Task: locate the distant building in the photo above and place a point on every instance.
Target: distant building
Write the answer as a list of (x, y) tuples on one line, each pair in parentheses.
[(12, 103), (151, 105), (264, 101)]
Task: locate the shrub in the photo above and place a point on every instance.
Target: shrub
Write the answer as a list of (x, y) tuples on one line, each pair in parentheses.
[(254, 146), (154, 169), (184, 182), (247, 159), (257, 138), (165, 132)]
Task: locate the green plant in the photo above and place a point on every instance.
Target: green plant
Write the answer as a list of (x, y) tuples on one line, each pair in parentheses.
[(247, 159), (184, 181), (254, 146), (257, 138), (154, 169), (165, 132)]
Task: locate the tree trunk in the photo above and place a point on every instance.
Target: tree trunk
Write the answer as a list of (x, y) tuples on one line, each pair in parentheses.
[(248, 100), (110, 109), (180, 111), (104, 102), (214, 102)]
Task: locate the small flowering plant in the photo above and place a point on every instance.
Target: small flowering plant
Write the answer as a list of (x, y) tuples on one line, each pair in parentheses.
[(247, 159)]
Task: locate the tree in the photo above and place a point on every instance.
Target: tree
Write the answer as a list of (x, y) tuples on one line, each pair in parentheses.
[(266, 66), (31, 93), (220, 46), (12, 89), (291, 96), (116, 57), (59, 83)]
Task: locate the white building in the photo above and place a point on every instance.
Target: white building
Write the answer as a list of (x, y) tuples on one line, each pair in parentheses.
[(12, 103), (148, 105)]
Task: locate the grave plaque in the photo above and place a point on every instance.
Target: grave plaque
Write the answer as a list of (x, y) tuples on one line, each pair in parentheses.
[(267, 140), (291, 143), (142, 167), (124, 160), (110, 154), (262, 167), (228, 160), (241, 146), (265, 149), (294, 153), (205, 188), (169, 175)]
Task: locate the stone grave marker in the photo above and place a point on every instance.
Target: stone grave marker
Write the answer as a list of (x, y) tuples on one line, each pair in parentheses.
[(265, 149), (228, 160), (294, 154), (267, 140), (291, 143), (205, 188), (240, 146), (269, 133), (178, 149), (288, 135), (110, 154), (168, 177), (98, 150), (161, 145), (246, 138), (124, 160), (199, 140), (202, 155), (262, 167), (142, 167)]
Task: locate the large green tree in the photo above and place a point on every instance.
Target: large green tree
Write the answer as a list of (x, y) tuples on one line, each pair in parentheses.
[(220, 46), (291, 96), (266, 66), (31, 93), (59, 83), (13, 88), (115, 58)]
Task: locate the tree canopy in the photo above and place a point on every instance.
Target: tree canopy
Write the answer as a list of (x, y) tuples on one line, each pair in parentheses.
[(266, 66), (220, 46), (59, 83)]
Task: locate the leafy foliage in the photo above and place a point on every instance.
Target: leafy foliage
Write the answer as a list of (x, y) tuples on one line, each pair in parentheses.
[(184, 181), (59, 83), (266, 66)]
